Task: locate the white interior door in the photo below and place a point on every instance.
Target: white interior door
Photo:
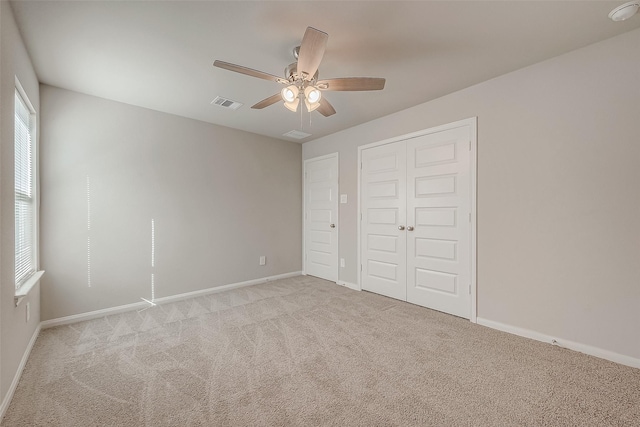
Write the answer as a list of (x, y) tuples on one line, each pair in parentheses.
[(439, 221), (321, 217), (383, 207)]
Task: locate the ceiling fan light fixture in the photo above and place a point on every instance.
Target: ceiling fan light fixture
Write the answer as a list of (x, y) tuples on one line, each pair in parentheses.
[(312, 98), (625, 11), (293, 106), (289, 93), (312, 94), (290, 97), (311, 107)]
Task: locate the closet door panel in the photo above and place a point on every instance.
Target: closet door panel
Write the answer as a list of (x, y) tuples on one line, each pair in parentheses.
[(438, 221), (383, 207)]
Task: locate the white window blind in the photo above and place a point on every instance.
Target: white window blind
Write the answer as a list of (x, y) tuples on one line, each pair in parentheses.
[(24, 192)]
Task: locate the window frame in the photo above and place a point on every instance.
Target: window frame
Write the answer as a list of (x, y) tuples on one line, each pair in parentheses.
[(25, 285)]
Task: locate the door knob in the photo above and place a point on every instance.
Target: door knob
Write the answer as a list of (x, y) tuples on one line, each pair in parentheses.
[(401, 227), (332, 225), (410, 228)]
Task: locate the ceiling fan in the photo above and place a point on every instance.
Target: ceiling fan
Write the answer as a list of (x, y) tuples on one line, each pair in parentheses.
[(301, 78)]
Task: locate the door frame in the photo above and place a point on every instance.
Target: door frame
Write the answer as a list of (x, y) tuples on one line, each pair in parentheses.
[(473, 165), (304, 213)]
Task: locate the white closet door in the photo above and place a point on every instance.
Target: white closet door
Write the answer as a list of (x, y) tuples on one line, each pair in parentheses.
[(438, 210), (383, 206), (321, 217)]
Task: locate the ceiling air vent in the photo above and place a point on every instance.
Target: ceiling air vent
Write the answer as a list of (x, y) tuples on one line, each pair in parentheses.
[(296, 134), (226, 103)]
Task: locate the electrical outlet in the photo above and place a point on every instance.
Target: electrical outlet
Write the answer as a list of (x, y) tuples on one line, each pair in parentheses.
[(342, 262), (263, 260), (28, 311), (343, 198)]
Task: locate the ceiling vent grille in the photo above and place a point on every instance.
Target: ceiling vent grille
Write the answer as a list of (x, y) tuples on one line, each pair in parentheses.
[(296, 134), (226, 103)]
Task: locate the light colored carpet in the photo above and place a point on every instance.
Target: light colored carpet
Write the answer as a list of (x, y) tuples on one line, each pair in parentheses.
[(303, 351)]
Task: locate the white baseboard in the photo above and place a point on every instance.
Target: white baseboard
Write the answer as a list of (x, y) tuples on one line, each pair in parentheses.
[(16, 378), (571, 345), (139, 305), (349, 285), (92, 314), (222, 288)]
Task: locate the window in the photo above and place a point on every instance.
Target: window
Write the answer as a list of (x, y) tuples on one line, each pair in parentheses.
[(24, 190)]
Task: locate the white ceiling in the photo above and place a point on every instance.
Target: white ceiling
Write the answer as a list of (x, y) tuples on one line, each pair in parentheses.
[(159, 54)]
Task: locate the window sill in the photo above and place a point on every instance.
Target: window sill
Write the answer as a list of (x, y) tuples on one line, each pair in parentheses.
[(27, 286)]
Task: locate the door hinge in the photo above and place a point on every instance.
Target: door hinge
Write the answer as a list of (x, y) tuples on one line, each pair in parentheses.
[(360, 165), (469, 217), (469, 145), (360, 216), (469, 288), (360, 267)]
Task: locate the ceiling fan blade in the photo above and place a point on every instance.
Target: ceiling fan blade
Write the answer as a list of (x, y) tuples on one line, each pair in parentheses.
[(325, 108), (352, 84), (311, 52), (268, 101), (249, 71)]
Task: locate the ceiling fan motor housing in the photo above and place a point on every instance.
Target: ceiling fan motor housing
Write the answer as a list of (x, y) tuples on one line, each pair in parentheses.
[(291, 73)]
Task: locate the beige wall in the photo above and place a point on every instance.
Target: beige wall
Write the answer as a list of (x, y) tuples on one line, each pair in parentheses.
[(558, 192), (220, 198), (15, 332)]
